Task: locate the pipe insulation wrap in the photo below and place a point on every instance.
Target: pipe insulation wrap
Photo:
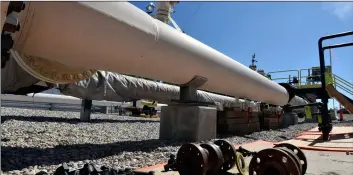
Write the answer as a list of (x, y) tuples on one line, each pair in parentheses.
[(111, 86), (117, 87), (297, 101), (119, 37)]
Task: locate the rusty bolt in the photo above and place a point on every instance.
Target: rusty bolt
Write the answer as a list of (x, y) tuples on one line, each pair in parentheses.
[(79, 76), (68, 77), (88, 73)]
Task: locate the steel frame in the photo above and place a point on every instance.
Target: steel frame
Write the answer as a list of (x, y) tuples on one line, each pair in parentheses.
[(326, 126)]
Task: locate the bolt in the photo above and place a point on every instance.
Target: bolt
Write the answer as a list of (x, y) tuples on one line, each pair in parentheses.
[(88, 73), (79, 76), (33, 63), (43, 71), (69, 77), (55, 76)]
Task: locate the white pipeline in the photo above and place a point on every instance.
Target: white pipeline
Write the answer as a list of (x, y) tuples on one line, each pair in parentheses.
[(119, 37)]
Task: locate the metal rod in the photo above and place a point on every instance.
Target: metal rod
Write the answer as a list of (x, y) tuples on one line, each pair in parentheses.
[(336, 35), (337, 46), (333, 100), (325, 96)]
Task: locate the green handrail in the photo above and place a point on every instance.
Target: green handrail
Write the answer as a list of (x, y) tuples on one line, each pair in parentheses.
[(330, 78), (301, 83), (346, 84), (342, 80), (342, 84), (283, 71), (344, 88)]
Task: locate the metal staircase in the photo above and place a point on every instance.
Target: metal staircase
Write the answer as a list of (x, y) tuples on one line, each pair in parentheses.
[(334, 83), (342, 84), (322, 84), (336, 86)]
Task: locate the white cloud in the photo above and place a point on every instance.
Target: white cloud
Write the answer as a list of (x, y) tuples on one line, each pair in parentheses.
[(342, 10)]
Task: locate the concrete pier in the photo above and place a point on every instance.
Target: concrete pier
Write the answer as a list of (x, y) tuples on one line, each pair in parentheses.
[(190, 123)]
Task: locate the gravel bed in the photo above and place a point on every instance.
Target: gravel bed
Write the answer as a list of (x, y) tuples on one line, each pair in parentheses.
[(35, 140)]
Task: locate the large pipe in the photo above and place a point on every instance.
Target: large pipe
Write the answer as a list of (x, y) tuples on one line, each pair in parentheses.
[(119, 37)]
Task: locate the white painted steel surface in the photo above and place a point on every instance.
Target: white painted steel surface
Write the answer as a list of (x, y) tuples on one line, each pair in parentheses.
[(119, 37)]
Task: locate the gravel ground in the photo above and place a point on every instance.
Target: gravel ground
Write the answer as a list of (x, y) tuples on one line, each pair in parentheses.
[(34, 140)]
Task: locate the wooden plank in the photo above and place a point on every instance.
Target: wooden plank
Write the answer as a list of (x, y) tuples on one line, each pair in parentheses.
[(340, 98), (236, 120), (339, 142), (272, 123), (244, 128), (235, 114)]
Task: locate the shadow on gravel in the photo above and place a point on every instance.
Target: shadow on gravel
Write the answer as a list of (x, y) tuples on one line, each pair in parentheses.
[(70, 120), (16, 158), (344, 121)]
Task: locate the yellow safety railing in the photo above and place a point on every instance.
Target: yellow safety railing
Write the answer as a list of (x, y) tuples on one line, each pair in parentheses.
[(284, 71), (342, 84), (309, 82), (305, 80)]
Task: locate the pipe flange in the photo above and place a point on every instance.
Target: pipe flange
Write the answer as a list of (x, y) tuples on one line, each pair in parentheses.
[(215, 157), (51, 71), (273, 161), (293, 156), (298, 152), (191, 159), (229, 154)]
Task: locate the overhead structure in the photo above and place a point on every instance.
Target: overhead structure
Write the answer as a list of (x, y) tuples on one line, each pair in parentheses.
[(164, 9), (78, 38)]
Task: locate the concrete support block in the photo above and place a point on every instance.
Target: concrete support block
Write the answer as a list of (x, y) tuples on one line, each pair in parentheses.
[(189, 123), (289, 119), (86, 107)]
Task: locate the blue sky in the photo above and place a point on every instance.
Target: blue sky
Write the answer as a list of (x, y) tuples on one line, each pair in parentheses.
[(283, 35)]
